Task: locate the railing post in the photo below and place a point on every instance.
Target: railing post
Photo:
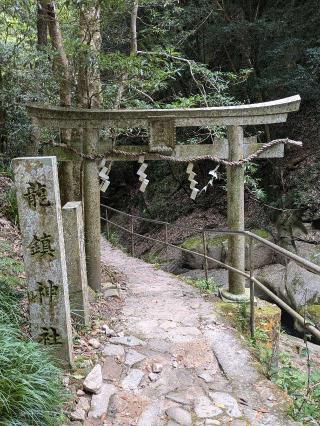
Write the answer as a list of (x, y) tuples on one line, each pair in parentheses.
[(252, 309), (107, 224), (132, 237), (166, 240), (205, 254)]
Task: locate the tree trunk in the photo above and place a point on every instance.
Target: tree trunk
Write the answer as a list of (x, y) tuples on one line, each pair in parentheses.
[(62, 73), (42, 27)]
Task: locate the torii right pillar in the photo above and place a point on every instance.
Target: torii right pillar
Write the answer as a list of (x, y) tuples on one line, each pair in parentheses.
[(235, 216)]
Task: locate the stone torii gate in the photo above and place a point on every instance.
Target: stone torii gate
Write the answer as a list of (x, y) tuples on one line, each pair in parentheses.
[(161, 124)]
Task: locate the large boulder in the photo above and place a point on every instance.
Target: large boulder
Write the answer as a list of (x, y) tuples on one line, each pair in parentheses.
[(218, 249), (294, 284)]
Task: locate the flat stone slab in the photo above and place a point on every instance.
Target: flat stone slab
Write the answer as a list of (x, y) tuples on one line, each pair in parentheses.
[(204, 408), (93, 381), (113, 350), (150, 417), (179, 415), (133, 379), (100, 402), (133, 357), (130, 341), (178, 397), (111, 292), (227, 402)]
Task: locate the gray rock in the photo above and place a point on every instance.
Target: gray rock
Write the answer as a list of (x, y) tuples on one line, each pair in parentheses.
[(100, 402), (133, 357), (178, 397), (204, 408), (93, 381), (109, 332), (113, 350), (153, 377), (179, 415), (83, 403), (133, 379), (80, 392), (78, 414), (94, 343), (127, 341), (150, 417), (204, 375), (111, 292), (156, 367), (222, 398), (296, 287), (211, 422)]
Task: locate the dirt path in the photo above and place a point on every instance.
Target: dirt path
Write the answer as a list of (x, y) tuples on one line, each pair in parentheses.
[(173, 361)]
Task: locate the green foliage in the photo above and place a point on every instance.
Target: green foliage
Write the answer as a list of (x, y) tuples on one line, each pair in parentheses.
[(209, 286), (30, 385), (303, 387), (31, 390)]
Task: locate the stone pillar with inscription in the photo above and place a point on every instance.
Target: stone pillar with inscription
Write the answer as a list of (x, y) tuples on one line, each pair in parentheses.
[(76, 261), (36, 180)]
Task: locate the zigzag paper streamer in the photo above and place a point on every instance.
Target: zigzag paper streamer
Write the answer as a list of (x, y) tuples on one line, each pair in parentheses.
[(193, 182), (104, 175), (214, 175), (142, 175)]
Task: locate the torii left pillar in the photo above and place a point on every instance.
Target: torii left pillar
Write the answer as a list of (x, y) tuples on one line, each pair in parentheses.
[(91, 209)]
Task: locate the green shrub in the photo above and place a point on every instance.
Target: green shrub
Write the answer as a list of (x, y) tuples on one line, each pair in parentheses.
[(31, 391)]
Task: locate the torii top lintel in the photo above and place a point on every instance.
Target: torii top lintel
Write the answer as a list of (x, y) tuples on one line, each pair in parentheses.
[(241, 115)]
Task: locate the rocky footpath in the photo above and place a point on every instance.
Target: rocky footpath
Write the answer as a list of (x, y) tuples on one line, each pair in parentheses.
[(169, 360)]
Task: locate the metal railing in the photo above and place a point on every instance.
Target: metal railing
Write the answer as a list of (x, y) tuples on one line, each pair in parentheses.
[(311, 267)]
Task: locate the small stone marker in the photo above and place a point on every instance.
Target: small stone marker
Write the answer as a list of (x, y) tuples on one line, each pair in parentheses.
[(38, 198), (76, 261)]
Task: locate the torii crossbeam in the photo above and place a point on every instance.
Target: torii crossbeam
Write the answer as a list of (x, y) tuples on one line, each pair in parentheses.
[(161, 124)]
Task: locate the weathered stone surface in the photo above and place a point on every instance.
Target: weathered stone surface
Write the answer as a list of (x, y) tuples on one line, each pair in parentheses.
[(222, 399), (179, 397), (127, 341), (78, 414), (204, 375), (100, 402), (297, 286), (40, 217), (109, 332), (76, 261), (111, 292), (113, 350), (93, 381), (215, 249), (150, 417), (179, 415), (133, 379), (153, 377), (111, 369), (83, 403), (133, 357), (205, 408), (94, 343), (157, 367)]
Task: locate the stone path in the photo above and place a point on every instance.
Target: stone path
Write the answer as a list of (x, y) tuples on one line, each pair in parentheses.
[(173, 362)]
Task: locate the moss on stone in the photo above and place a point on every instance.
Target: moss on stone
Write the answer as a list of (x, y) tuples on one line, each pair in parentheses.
[(314, 311), (315, 256), (196, 242), (262, 233)]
